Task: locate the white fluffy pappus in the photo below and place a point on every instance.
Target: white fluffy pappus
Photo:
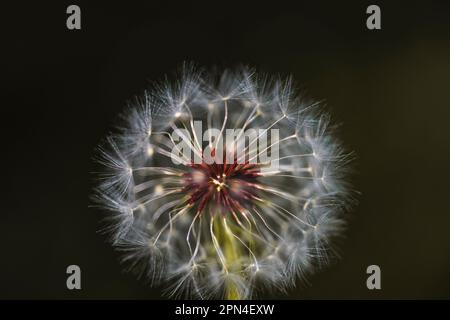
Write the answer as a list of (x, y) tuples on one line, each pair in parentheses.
[(223, 230)]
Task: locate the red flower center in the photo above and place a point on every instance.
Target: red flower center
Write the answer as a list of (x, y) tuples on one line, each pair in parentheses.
[(224, 188)]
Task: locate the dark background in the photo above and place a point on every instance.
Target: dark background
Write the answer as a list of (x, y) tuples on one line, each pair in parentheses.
[(63, 89)]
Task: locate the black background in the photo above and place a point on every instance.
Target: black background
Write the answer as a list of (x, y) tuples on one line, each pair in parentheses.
[(63, 89)]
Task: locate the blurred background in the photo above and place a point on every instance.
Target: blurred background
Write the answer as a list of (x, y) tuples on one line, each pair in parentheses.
[(63, 89)]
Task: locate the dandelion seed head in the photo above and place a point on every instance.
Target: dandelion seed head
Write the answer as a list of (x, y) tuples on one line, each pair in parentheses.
[(219, 222)]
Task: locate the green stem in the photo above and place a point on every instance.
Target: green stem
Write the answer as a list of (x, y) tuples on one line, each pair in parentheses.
[(231, 253)]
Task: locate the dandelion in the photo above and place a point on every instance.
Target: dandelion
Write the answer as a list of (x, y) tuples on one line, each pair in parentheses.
[(220, 218)]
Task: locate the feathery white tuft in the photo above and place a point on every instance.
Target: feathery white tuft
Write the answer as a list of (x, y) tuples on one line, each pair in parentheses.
[(276, 227)]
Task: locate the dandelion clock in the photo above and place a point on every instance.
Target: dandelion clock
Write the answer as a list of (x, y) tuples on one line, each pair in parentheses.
[(223, 185)]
